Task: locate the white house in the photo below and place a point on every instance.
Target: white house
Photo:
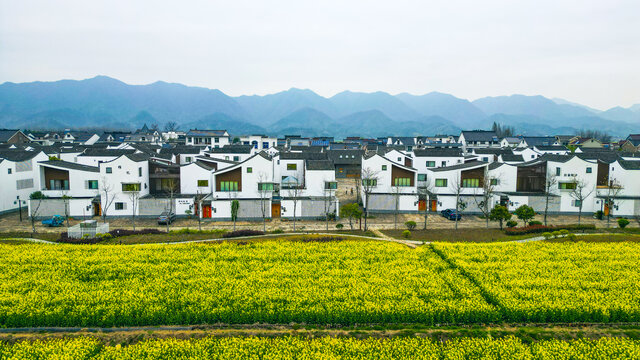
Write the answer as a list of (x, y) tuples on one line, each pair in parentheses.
[(619, 193), (213, 138), (127, 176), (393, 185), (259, 142), (18, 177), (463, 180), (478, 138), (235, 153)]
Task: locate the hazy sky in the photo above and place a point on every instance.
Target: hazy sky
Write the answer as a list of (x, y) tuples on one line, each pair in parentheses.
[(586, 51)]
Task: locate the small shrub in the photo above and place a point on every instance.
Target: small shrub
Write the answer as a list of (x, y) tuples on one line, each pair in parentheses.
[(564, 232), (339, 226), (511, 223), (410, 225), (556, 234), (406, 234), (535, 222), (572, 236), (623, 223), (369, 233), (598, 215), (277, 231), (536, 229), (239, 233), (547, 235)]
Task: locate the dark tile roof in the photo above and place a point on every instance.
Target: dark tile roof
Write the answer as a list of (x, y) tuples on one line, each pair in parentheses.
[(438, 152), (551, 148), (488, 151), (303, 156), (6, 134), (352, 157), (630, 164), (512, 157), (232, 149), (107, 152), (480, 135), (18, 155), (466, 165), (70, 165), (539, 140), (196, 132), (319, 165), (137, 157)]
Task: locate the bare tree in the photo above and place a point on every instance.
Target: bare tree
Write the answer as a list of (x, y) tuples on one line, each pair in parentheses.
[(134, 196), (170, 126), (198, 205), (370, 179), (613, 190), (264, 193), (457, 189), (397, 191), (294, 191), (580, 192), (66, 198), (487, 191), (549, 190), (107, 192), (424, 190), (171, 188), (34, 209), (327, 200)]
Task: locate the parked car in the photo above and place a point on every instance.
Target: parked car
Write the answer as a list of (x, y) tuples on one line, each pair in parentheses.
[(454, 215), (55, 221), (166, 218), (447, 212)]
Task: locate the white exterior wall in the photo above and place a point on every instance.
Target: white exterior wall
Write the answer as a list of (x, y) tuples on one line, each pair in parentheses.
[(260, 141), (261, 168), (575, 168), (507, 176), (91, 160), (78, 186), (124, 170), (407, 201), (630, 181), (528, 154), (189, 176), (9, 182), (315, 182)]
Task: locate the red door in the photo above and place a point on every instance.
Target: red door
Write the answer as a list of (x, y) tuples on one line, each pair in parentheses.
[(434, 205), (206, 211), (422, 205)]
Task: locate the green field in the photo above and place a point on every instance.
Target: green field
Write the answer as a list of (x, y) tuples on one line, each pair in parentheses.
[(324, 348), (351, 282)]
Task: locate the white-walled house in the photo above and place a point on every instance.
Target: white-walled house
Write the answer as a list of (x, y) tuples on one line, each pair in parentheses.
[(478, 139), (213, 138), (315, 195), (235, 153), (465, 180), (196, 178), (128, 178), (18, 177), (394, 185), (619, 192), (259, 142)]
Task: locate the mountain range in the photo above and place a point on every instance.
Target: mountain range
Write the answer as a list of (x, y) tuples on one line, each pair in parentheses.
[(107, 103)]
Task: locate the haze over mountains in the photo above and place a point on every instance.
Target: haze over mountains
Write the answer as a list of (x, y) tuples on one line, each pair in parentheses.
[(103, 102)]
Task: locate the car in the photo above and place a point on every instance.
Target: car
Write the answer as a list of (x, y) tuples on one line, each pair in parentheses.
[(447, 212), (167, 217), (55, 221), (454, 215)]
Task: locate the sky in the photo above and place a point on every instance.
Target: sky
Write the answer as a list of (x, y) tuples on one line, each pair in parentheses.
[(584, 51)]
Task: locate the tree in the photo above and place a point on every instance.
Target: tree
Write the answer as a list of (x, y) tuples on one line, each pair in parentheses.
[(171, 187), (170, 126), (294, 192), (66, 198), (580, 192), (198, 205), (327, 200), (424, 191), (549, 190), (488, 190), (264, 192), (456, 187), (154, 127), (613, 190), (502, 130), (38, 196), (134, 196), (236, 140), (369, 182), (350, 211), (525, 213), (235, 206), (499, 213), (107, 193), (397, 190)]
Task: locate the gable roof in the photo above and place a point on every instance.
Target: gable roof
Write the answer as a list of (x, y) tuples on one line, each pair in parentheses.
[(467, 165), (480, 135), (207, 133), (438, 152), (6, 134), (232, 149), (319, 165), (18, 155), (70, 165)]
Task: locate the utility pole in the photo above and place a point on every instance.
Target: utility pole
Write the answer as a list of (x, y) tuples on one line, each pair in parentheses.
[(19, 207)]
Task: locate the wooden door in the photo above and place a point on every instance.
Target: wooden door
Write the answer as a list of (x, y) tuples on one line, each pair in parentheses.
[(434, 205), (97, 210), (606, 209), (422, 205), (206, 211), (275, 210)]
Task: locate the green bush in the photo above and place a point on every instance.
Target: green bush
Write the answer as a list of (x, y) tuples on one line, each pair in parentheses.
[(598, 215), (406, 234), (535, 222), (410, 225), (572, 236), (556, 234), (622, 222), (547, 235), (277, 231), (511, 223), (339, 226), (564, 232)]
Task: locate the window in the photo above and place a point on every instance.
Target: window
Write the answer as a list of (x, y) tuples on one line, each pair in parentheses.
[(292, 166), (119, 206), (9, 171), (217, 140), (576, 203), (108, 170), (265, 145), (589, 170), (249, 170), (226, 158), (441, 182), (330, 185), (567, 186), (495, 181), (265, 186), (92, 184), (470, 183), (131, 187), (187, 159), (228, 186), (485, 159), (58, 185), (384, 167), (369, 182), (402, 182), (140, 171), (24, 184), (422, 177), (558, 171), (399, 159), (236, 158), (203, 183), (430, 164), (443, 164)]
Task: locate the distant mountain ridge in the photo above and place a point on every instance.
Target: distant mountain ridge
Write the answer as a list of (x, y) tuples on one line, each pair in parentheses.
[(104, 102)]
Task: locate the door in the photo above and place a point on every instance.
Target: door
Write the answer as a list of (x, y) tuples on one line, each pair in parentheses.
[(97, 210), (206, 211), (434, 205), (422, 205), (275, 210), (606, 209)]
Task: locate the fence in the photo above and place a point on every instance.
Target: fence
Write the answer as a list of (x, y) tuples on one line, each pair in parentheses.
[(78, 231)]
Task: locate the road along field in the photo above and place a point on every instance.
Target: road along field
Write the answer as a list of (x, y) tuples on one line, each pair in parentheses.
[(324, 283), (324, 348)]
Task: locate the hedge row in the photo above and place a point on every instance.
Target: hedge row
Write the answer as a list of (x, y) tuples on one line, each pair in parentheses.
[(535, 229)]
